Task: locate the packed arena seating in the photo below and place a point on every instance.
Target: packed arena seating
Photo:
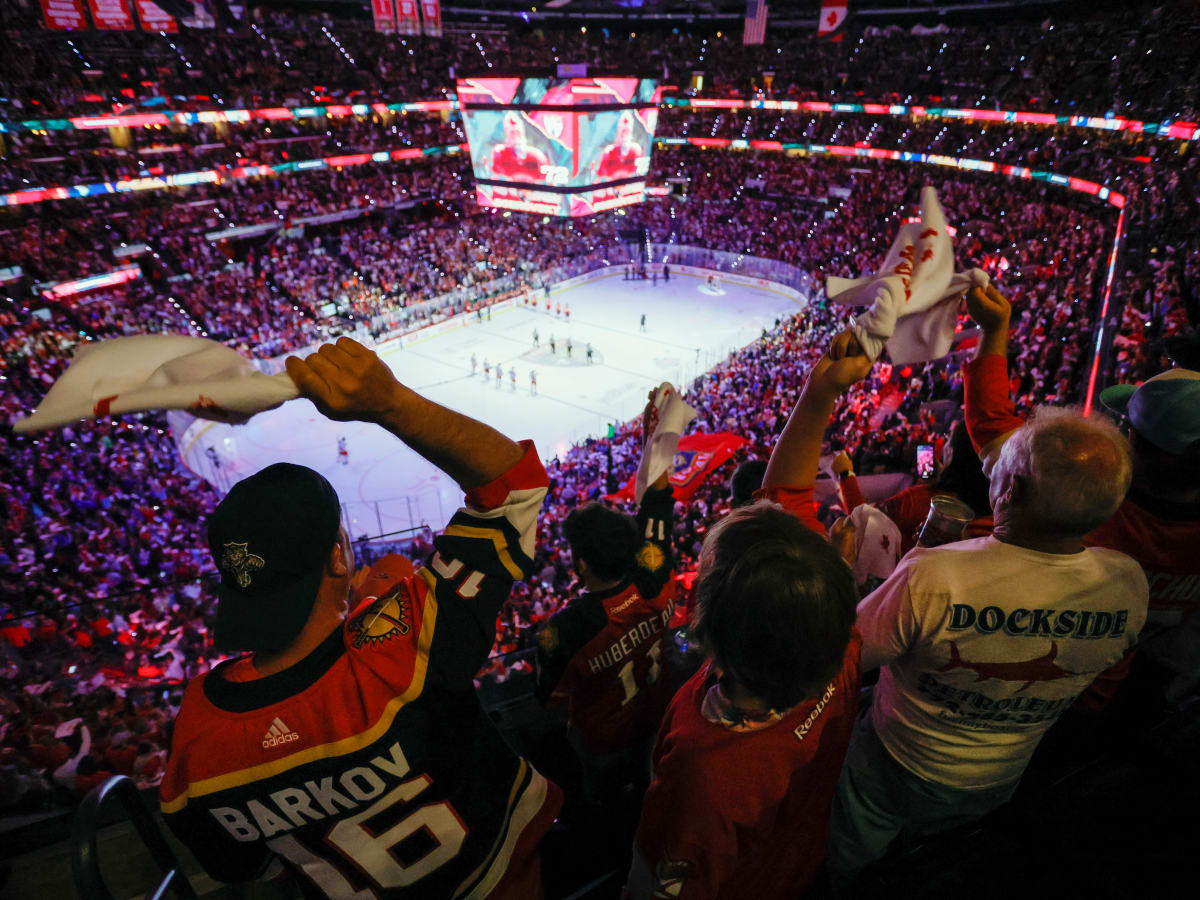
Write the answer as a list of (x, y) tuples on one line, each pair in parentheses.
[(235, 302), (105, 585), (1131, 63)]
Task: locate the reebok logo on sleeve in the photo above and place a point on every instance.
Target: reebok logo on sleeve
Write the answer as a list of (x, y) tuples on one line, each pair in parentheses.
[(278, 734)]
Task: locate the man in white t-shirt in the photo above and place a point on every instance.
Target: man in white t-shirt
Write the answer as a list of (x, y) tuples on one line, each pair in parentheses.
[(983, 643)]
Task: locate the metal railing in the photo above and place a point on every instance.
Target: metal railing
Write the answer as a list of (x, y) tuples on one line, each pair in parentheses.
[(85, 861)]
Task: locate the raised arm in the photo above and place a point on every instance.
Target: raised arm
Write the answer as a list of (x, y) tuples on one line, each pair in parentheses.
[(655, 561), (347, 381), (990, 414), (843, 471), (797, 453)]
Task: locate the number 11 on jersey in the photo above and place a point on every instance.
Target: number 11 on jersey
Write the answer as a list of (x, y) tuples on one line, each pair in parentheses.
[(629, 682)]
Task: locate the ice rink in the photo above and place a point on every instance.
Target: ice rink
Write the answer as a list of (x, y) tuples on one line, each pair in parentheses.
[(385, 487)]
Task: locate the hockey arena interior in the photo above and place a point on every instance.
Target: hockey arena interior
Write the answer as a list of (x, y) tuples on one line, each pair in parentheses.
[(599, 449)]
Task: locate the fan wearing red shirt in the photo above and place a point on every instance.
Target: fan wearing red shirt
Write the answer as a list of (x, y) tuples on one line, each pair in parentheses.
[(961, 477), (515, 160), (750, 752), (620, 159), (604, 654)]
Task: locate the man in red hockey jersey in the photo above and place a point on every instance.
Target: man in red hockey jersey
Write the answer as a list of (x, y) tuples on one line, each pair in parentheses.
[(350, 743), (751, 747), (620, 159), (604, 654), (515, 160)]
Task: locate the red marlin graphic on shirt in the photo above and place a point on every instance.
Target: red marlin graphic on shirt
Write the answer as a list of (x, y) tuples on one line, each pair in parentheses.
[(1029, 670)]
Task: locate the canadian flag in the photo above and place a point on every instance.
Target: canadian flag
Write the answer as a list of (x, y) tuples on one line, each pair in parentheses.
[(833, 17)]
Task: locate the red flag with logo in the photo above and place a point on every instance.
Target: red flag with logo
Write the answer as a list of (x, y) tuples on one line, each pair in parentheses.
[(697, 456), (64, 15), (408, 17), (833, 19), (385, 15), (155, 18), (431, 12), (111, 15)]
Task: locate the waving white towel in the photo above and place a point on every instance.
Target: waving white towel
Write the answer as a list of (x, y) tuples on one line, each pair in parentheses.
[(158, 371), (913, 299), (673, 417)]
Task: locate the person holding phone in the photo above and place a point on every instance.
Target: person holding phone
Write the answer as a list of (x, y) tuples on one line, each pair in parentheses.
[(961, 477)]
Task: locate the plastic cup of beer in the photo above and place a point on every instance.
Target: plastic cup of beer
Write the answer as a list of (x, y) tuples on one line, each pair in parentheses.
[(946, 522)]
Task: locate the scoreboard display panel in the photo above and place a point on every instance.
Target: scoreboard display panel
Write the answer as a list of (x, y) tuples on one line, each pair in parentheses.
[(559, 146)]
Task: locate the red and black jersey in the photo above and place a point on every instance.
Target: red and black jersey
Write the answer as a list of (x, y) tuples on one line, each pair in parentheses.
[(519, 163), (604, 654), (370, 767)]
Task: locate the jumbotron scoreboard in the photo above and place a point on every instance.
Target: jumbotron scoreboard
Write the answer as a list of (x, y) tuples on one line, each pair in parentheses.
[(565, 144)]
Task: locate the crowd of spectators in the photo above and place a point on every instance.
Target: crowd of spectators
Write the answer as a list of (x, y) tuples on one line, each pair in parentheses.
[(104, 599), (1133, 62), (880, 422)]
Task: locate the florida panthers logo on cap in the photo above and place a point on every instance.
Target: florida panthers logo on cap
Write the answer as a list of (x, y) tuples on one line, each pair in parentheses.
[(238, 559)]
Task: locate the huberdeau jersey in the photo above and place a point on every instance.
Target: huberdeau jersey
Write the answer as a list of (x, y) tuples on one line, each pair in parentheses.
[(370, 767), (604, 653)]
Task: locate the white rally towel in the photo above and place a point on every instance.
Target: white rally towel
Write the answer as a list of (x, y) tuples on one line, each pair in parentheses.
[(877, 546), (914, 298), (659, 455), (158, 371)]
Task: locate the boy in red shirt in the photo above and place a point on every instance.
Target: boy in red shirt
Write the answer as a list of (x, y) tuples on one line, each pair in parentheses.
[(752, 745)]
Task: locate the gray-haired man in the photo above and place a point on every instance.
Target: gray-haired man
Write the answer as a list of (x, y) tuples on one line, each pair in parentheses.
[(984, 643)]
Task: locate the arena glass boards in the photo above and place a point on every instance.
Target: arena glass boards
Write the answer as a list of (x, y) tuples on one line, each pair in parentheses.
[(559, 146)]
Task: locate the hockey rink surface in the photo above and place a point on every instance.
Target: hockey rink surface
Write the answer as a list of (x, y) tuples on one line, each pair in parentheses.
[(385, 487)]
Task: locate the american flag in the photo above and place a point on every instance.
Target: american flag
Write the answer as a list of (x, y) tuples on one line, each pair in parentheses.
[(756, 22)]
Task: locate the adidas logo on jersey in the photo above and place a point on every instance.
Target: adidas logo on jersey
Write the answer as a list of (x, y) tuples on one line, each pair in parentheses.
[(278, 734)]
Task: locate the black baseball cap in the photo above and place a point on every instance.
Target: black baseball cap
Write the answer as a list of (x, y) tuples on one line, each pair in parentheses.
[(270, 538)]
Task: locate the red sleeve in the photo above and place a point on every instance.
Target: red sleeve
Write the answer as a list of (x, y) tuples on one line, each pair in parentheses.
[(852, 495), (527, 473), (908, 510), (800, 502), (991, 416), (1101, 691)]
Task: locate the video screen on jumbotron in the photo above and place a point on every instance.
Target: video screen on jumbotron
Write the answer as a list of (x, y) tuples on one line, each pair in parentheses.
[(561, 146)]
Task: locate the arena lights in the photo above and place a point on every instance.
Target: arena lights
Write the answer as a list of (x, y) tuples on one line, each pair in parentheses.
[(1178, 129), (1102, 318), (934, 159), (213, 176), (1171, 128), (207, 117)]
